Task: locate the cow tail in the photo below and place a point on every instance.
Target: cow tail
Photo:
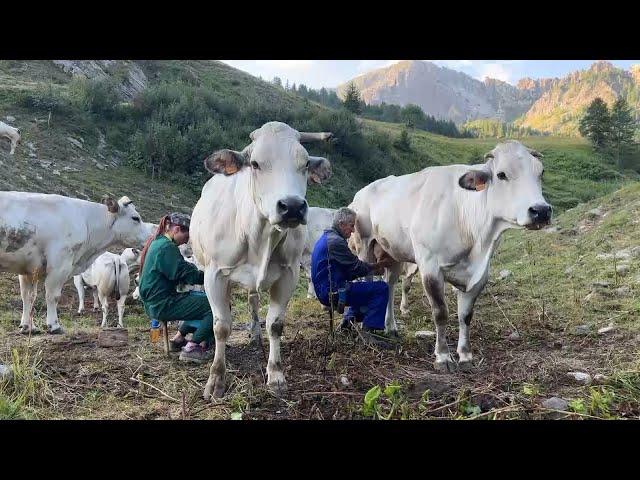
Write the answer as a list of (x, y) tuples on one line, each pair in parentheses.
[(116, 265)]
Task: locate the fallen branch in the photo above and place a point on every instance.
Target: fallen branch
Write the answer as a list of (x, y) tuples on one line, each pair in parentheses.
[(502, 311), (333, 393), (155, 388), (496, 410)]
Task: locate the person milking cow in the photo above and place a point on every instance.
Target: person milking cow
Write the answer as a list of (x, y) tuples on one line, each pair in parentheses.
[(162, 268), (334, 266)]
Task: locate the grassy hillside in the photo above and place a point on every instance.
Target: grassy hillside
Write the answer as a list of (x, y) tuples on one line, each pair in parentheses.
[(216, 106)]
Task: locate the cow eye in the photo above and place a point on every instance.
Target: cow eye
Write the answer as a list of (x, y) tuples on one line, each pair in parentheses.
[(255, 165), (502, 176), (542, 174), (136, 219), (307, 165)]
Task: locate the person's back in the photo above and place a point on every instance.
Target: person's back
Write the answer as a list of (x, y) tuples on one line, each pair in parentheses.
[(156, 287)]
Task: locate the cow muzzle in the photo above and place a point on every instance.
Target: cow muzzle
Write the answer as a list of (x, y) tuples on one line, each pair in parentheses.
[(540, 215), (292, 211)]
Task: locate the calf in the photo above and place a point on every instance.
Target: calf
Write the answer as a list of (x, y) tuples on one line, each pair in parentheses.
[(107, 276)]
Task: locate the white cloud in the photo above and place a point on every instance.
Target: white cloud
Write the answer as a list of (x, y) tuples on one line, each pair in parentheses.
[(286, 64), (495, 70)]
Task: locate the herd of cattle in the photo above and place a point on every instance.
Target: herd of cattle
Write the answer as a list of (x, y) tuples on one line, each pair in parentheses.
[(252, 226)]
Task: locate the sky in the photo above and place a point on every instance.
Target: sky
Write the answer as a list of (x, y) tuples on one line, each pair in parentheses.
[(330, 73)]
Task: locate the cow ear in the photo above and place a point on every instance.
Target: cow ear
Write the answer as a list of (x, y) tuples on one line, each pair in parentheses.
[(474, 180), (111, 204), (535, 153), (319, 170), (225, 161)]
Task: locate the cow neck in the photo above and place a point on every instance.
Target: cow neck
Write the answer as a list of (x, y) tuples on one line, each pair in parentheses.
[(274, 236), (475, 217), (110, 235)]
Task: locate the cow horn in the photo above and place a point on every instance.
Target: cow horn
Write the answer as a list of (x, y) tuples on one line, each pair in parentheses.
[(535, 153), (314, 136)]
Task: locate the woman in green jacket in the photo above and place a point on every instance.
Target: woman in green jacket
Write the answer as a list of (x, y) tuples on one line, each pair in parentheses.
[(162, 269)]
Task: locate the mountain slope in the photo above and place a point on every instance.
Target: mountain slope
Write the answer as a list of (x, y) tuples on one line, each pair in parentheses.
[(560, 107), (551, 105), (442, 92)]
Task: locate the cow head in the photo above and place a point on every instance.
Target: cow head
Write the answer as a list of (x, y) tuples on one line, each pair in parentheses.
[(127, 225), (279, 167), (512, 177)]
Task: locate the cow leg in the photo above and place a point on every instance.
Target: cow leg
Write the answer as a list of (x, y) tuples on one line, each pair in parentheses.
[(217, 288), (104, 302), (391, 276), (280, 293), (433, 283), (305, 265), (255, 334), (28, 291), (77, 281), (409, 271), (13, 147), (311, 292), (406, 286), (123, 298), (466, 301), (96, 300), (56, 277)]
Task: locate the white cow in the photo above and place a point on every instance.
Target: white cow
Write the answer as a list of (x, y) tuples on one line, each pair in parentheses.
[(55, 237), (131, 256), (10, 133), (318, 220), (107, 276), (248, 228), (448, 221)]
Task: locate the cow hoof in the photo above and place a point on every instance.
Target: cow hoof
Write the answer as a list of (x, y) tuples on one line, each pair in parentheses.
[(392, 334), (214, 387), (445, 366), (25, 330), (278, 388), (465, 366), (58, 330)]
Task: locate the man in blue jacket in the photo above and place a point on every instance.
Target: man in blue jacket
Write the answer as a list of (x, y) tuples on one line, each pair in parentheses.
[(363, 298)]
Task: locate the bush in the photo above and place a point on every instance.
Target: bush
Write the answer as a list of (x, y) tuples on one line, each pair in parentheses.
[(45, 98), (403, 142), (98, 96)]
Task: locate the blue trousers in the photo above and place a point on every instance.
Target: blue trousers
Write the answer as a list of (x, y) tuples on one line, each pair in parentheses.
[(368, 300)]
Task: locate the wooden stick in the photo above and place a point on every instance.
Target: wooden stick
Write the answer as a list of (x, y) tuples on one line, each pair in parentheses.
[(333, 393), (155, 388), (165, 337)]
